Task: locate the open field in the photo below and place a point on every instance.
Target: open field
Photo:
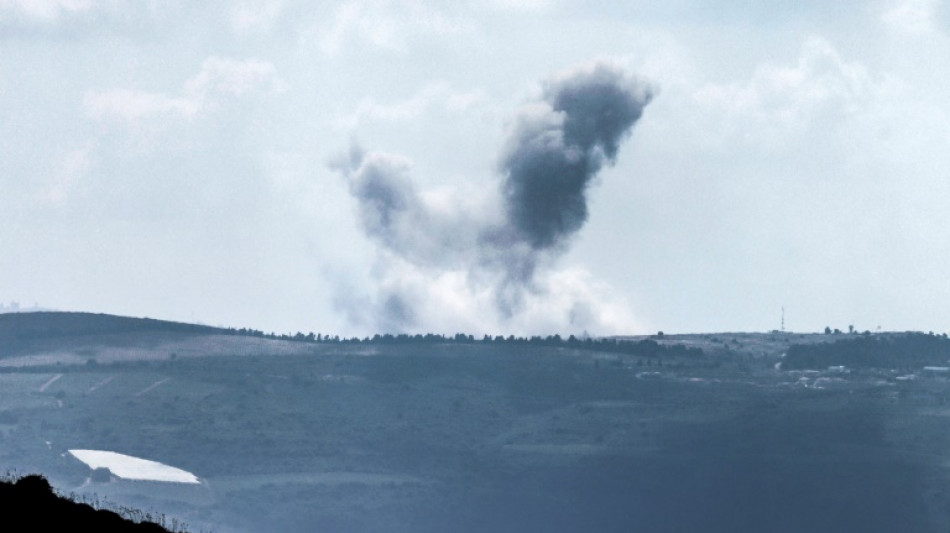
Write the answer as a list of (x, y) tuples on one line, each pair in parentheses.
[(429, 437)]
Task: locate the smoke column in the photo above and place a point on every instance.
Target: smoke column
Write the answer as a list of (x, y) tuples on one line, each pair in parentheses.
[(495, 255), (558, 146)]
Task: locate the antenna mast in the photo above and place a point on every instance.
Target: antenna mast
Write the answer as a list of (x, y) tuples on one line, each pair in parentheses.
[(783, 319)]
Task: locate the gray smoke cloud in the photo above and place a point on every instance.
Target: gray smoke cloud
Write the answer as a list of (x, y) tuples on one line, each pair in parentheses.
[(556, 147)]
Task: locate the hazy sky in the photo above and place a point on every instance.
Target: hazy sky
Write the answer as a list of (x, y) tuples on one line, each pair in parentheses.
[(185, 160)]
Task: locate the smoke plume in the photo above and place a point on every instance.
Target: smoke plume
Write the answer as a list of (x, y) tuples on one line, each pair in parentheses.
[(489, 260), (559, 145)]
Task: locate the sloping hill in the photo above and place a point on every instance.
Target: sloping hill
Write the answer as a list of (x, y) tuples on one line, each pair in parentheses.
[(18, 327), (31, 339), (29, 504)]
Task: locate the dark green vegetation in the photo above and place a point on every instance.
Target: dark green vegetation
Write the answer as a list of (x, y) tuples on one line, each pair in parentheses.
[(909, 350), (29, 504), (698, 433)]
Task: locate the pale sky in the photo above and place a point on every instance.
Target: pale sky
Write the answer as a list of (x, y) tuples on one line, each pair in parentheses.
[(176, 160)]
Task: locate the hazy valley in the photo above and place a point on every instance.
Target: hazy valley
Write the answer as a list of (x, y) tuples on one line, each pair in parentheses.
[(471, 435)]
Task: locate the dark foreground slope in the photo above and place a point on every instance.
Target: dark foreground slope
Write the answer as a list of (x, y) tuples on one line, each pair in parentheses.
[(470, 437), (29, 505)]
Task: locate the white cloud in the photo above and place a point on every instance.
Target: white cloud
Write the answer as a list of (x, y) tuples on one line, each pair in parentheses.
[(46, 10), (521, 5), (819, 91), (131, 105), (68, 171), (231, 77), (387, 24), (255, 16), (435, 95), (219, 79), (825, 104), (911, 16)]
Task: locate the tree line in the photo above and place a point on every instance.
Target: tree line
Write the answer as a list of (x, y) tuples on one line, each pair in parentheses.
[(642, 348), (908, 350)]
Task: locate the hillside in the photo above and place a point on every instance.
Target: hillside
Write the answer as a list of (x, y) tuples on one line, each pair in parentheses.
[(45, 332), (29, 504), (30, 339), (430, 434), (46, 325)]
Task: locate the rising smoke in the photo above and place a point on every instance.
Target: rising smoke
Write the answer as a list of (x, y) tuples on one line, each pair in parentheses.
[(559, 145), (495, 258)]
